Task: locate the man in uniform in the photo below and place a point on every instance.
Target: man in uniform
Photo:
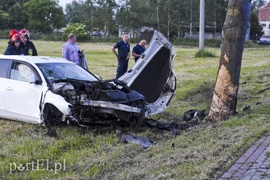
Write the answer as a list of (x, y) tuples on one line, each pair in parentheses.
[(138, 50), (123, 55)]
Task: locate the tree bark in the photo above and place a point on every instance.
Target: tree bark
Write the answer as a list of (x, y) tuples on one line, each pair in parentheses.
[(224, 100)]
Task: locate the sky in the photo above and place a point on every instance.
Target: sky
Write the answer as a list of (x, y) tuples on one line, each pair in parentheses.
[(64, 2)]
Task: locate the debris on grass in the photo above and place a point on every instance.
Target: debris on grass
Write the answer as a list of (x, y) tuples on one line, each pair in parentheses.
[(194, 114), (247, 109), (174, 127), (139, 140)]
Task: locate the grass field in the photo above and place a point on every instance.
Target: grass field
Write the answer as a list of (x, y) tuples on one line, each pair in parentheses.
[(201, 152)]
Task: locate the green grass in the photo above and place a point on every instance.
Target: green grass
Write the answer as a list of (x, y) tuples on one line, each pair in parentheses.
[(202, 152), (204, 54)]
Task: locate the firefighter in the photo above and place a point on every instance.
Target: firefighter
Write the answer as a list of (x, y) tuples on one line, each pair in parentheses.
[(11, 34), (27, 44), (16, 47)]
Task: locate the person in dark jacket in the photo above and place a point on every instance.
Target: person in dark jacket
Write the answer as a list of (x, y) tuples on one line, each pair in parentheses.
[(138, 50), (15, 48), (11, 34), (27, 44), (123, 55)]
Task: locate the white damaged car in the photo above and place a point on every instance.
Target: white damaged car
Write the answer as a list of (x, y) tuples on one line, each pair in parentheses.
[(51, 90)]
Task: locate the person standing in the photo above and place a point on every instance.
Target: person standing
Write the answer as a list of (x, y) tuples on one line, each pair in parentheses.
[(27, 44), (11, 34), (15, 48), (138, 50), (70, 50), (123, 55)]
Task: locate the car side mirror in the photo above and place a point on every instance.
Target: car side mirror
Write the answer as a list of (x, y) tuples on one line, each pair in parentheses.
[(36, 82)]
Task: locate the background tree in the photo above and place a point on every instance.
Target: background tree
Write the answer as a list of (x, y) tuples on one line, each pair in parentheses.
[(256, 30), (44, 15), (256, 4), (12, 14), (75, 12), (104, 15), (224, 100), (174, 18), (215, 15), (17, 18), (3, 19)]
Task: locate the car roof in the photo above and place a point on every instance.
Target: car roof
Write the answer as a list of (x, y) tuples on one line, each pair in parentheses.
[(35, 59)]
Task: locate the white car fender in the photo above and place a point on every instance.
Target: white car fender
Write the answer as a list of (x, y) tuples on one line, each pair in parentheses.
[(58, 101)]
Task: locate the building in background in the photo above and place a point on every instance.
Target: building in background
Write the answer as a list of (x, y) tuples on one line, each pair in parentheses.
[(264, 18)]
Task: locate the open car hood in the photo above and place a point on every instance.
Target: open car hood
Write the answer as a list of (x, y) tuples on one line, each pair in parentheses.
[(153, 75)]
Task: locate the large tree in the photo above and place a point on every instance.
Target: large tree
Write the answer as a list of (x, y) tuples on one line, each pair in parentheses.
[(224, 100), (12, 14), (104, 15), (16, 18), (75, 12), (44, 15)]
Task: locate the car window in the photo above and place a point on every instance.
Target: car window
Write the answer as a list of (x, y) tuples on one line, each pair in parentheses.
[(22, 72), (5, 67)]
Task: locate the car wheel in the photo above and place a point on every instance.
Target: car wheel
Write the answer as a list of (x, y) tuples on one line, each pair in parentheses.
[(51, 115)]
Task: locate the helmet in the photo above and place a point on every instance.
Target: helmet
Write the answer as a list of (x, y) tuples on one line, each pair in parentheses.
[(25, 32), (12, 32), (16, 37)]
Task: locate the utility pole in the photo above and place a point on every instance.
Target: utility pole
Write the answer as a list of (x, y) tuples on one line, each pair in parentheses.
[(202, 19)]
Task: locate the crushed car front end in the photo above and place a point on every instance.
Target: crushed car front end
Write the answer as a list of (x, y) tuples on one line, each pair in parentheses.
[(100, 102)]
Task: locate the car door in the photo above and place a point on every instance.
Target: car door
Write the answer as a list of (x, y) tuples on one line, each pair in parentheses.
[(5, 65), (153, 74), (23, 95)]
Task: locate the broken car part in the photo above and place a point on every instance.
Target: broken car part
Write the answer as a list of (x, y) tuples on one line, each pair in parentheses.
[(139, 140)]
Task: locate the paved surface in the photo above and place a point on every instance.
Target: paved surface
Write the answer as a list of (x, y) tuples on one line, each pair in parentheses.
[(253, 165)]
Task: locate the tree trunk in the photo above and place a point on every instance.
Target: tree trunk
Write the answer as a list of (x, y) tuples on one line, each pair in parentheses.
[(224, 100), (191, 18), (169, 19)]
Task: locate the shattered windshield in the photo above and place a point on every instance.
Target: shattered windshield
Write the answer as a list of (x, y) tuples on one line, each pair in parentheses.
[(62, 71)]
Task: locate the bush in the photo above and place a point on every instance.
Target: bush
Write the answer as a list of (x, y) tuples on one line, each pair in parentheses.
[(4, 34), (79, 30), (204, 54)]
